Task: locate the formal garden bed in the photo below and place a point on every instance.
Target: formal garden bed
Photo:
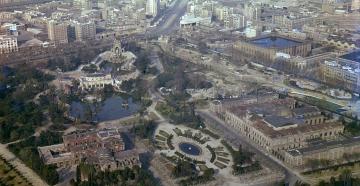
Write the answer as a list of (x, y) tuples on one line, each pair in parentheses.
[(210, 154), (205, 149)]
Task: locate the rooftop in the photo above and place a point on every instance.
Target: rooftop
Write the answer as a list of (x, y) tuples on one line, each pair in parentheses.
[(273, 117), (353, 56), (187, 19), (274, 42), (101, 134), (54, 153), (305, 110), (279, 107), (299, 130), (280, 121)]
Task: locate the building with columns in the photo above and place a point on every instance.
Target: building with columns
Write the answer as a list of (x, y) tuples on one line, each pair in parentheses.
[(95, 81), (331, 152)]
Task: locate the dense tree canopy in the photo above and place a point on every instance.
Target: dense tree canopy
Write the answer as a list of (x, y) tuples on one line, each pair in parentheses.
[(19, 114), (27, 151)]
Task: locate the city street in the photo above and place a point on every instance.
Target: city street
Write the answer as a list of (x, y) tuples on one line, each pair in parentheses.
[(170, 20)]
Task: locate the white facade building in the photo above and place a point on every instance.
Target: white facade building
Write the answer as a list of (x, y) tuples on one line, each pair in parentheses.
[(85, 30), (239, 21), (355, 5), (83, 4), (152, 7), (8, 44), (341, 71), (252, 12), (95, 81), (226, 15), (58, 32)]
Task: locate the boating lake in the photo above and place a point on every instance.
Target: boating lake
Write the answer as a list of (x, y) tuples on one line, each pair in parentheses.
[(110, 109)]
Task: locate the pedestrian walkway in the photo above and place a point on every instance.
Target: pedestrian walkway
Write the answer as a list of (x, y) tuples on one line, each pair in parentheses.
[(28, 173)]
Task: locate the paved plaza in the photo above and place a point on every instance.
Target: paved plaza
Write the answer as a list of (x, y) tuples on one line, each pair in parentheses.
[(169, 139)]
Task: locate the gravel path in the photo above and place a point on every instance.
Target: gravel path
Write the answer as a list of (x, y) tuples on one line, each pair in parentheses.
[(29, 174)]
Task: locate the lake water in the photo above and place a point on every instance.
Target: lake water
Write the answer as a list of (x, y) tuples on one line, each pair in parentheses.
[(110, 109)]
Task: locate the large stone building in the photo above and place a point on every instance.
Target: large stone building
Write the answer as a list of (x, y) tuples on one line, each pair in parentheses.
[(276, 125), (8, 44), (104, 148), (265, 48), (325, 153)]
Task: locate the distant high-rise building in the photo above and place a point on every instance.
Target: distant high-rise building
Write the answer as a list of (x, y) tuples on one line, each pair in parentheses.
[(4, 2), (8, 44), (20, 2), (226, 16), (58, 32), (252, 12), (152, 7), (85, 30), (239, 21), (355, 5), (83, 4), (71, 33)]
